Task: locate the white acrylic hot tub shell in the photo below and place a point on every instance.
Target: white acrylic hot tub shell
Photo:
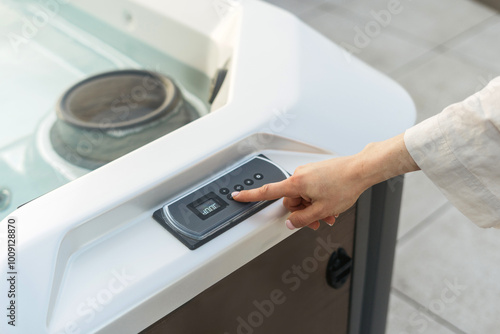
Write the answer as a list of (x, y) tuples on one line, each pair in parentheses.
[(77, 242)]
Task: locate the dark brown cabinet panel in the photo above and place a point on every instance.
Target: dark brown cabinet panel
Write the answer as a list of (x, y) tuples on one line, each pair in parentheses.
[(284, 290)]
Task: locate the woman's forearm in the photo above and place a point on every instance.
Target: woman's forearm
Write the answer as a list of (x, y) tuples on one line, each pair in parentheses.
[(381, 161)]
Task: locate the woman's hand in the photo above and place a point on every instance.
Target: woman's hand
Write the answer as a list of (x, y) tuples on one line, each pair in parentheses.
[(315, 191), (323, 190)]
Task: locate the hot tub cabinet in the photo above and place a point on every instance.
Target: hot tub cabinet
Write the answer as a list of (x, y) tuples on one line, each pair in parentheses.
[(297, 287)]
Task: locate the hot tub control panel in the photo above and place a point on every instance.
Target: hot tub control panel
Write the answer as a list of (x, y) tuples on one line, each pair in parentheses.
[(209, 210)]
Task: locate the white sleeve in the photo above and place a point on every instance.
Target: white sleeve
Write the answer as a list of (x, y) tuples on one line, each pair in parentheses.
[(459, 150)]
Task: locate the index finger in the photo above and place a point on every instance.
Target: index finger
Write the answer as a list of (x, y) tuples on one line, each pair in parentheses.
[(268, 191)]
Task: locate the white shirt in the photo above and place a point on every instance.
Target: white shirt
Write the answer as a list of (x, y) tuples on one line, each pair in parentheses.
[(459, 150)]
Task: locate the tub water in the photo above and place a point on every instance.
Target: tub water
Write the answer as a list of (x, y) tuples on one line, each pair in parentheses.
[(45, 47)]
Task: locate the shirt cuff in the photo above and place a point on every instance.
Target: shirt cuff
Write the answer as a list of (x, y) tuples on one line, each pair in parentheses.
[(428, 146)]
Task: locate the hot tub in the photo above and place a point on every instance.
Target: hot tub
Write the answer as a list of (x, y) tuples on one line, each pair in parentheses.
[(89, 257)]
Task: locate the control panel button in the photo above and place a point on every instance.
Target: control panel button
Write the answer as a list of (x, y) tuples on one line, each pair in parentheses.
[(224, 191), (258, 176), (238, 187), (248, 182), (229, 197)]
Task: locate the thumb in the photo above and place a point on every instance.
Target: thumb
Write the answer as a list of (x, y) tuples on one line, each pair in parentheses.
[(304, 217)]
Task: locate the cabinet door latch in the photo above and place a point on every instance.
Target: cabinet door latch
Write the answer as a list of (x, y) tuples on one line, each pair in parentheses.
[(338, 268)]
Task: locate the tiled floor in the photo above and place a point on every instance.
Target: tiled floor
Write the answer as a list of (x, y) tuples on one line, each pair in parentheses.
[(447, 272)]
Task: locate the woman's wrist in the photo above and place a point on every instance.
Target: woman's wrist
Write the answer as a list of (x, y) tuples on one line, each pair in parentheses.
[(381, 161)]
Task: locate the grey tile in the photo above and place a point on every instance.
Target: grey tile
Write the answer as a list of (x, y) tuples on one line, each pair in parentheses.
[(441, 81), (404, 318), (296, 7), (481, 46), (385, 50), (451, 269), (430, 20), (357, 7), (420, 199)]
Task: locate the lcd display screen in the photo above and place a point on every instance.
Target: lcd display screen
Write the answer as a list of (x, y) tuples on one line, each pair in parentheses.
[(207, 207)]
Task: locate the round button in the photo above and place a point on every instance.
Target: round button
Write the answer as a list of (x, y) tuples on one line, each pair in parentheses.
[(229, 197), (248, 182), (224, 191), (238, 187), (258, 176)]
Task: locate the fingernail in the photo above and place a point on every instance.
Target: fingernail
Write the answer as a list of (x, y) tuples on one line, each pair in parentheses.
[(234, 194), (289, 224), (331, 224)]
